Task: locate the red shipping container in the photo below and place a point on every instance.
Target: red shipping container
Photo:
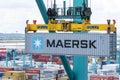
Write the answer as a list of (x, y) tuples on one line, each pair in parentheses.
[(43, 58), (60, 71), (95, 77), (99, 77), (35, 71), (29, 76), (6, 69), (116, 78), (2, 48), (107, 77)]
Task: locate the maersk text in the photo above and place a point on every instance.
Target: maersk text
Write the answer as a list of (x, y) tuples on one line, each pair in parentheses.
[(71, 43)]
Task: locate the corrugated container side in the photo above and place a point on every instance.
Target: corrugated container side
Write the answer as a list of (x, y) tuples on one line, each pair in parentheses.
[(66, 43)]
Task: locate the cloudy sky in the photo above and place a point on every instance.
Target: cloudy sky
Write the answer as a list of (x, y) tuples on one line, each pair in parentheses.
[(14, 13)]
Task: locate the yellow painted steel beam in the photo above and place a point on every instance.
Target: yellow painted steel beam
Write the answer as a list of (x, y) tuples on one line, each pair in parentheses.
[(70, 26)]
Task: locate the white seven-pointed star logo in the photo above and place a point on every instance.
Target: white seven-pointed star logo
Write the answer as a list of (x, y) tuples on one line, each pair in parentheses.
[(37, 43)]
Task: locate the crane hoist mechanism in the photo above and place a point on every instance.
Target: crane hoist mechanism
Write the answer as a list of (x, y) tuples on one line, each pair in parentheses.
[(67, 26)]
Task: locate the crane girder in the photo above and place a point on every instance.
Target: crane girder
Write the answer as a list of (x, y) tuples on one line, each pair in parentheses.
[(54, 25)]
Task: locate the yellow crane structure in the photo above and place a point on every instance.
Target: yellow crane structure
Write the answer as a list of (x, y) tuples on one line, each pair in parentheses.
[(78, 12), (66, 26)]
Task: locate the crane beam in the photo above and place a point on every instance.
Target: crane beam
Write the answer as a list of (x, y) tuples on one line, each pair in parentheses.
[(42, 9), (80, 67)]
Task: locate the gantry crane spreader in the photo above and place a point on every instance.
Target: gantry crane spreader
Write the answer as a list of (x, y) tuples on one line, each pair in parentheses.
[(55, 25), (66, 26)]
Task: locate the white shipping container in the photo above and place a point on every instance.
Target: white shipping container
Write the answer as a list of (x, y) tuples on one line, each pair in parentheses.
[(49, 78), (49, 71), (6, 79), (47, 75), (90, 44), (113, 67), (33, 76)]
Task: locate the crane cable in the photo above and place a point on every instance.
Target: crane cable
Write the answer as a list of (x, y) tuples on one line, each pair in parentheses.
[(47, 4), (69, 3), (51, 3), (90, 3)]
